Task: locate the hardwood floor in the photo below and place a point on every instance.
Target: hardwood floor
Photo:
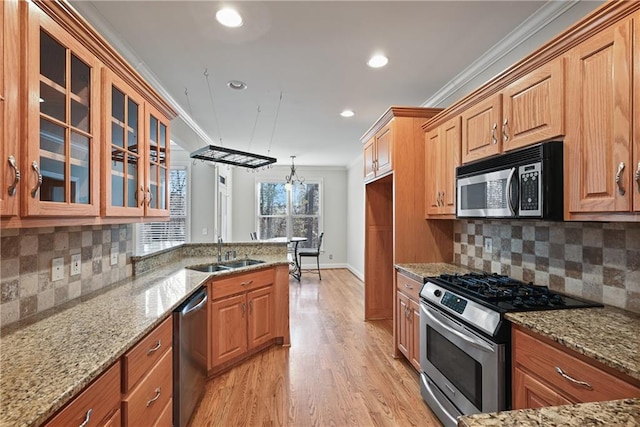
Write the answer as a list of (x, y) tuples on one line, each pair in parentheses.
[(338, 371)]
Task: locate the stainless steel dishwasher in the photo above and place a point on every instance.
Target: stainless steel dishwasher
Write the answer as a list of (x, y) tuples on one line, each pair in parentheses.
[(189, 355)]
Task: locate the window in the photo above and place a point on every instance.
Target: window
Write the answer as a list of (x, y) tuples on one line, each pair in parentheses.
[(153, 236), (287, 213)]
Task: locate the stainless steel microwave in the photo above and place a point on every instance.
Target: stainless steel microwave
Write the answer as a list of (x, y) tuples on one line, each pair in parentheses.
[(526, 183)]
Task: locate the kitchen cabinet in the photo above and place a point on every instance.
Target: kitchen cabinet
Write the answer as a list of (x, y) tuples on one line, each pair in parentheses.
[(96, 405), (10, 173), (60, 168), (527, 111), (378, 153), (442, 158), (635, 169), (156, 167), (598, 151), (407, 319), (546, 373), (242, 316), (147, 378)]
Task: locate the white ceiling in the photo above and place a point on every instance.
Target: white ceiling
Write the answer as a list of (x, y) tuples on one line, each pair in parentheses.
[(314, 53)]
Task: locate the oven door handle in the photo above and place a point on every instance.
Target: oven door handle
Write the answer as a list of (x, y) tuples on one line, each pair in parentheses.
[(468, 339), (509, 195)]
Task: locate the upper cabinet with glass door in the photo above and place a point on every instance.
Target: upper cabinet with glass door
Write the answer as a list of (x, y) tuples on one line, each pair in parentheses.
[(156, 163), (62, 171)]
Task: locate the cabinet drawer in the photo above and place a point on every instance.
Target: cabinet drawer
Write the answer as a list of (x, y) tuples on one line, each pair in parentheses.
[(146, 353), (146, 402), (408, 286), (166, 417), (542, 359), (240, 283), (102, 398)]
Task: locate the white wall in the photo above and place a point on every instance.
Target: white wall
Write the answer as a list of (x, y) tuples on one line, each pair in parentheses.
[(334, 202), (355, 218)]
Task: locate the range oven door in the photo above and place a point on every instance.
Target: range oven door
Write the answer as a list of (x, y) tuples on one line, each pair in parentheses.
[(468, 371), (488, 195)]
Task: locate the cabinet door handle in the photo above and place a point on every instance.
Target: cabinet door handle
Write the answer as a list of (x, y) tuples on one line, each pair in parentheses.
[(573, 380), (638, 176), (156, 348), (408, 286), (251, 306), (34, 191), (247, 283), (618, 180), (16, 175), (493, 133), (150, 198), (154, 398), (87, 417), (244, 308), (1, 98), (142, 193), (505, 135)]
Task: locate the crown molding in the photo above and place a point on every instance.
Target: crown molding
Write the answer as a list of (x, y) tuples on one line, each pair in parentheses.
[(532, 25)]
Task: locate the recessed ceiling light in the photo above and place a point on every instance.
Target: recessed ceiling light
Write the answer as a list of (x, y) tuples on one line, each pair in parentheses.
[(229, 17), (378, 61), (347, 113), (236, 84)]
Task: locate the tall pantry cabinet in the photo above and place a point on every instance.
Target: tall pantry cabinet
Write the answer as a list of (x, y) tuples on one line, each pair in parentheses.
[(395, 228)]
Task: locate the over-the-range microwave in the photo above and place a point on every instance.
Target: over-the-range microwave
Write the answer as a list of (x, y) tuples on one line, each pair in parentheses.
[(526, 183)]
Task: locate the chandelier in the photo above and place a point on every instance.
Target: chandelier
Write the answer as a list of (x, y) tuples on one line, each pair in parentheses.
[(293, 178)]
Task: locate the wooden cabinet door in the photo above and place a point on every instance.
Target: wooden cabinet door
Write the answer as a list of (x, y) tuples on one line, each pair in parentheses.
[(636, 107), (369, 159), (9, 119), (403, 324), (61, 168), (228, 329), (156, 163), (528, 392), (481, 131), (598, 141), (450, 140), (533, 109), (415, 334), (123, 192), (432, 171), (261, 316), (384, 149)]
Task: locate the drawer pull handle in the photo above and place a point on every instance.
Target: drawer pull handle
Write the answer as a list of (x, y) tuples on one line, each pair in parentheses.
[(16, 175), (573, 380), (247, 283), (408, 286), (87, 417), (34, 191), (638, 176), (618, 180), (156, 348), (156, 397)]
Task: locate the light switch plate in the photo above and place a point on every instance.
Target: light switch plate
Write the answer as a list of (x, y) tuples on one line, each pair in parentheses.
[(75, 265), (57, 269), (488, 245), (114, 255)]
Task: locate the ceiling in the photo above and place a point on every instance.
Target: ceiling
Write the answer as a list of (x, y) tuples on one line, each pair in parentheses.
[(311, 53)]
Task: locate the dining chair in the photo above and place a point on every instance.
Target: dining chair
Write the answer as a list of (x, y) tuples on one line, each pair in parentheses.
[(254, 235), (312, 252)]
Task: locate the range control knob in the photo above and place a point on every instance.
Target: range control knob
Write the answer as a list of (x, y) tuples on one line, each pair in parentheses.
[(437, 293)]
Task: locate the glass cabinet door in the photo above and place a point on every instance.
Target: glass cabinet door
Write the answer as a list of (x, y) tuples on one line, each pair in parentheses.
[(157, 190), (63, 169), (123, 193)]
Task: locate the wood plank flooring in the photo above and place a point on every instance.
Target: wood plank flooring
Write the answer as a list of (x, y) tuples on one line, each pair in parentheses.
[(338, 371)]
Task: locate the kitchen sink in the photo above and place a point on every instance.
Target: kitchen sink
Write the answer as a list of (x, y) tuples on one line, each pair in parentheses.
[(230, 265)]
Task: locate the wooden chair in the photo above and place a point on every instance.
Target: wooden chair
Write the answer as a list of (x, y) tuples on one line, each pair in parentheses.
[(312, 252)]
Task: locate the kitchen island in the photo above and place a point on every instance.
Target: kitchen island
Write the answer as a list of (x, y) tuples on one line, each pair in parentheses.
[(47, 359)]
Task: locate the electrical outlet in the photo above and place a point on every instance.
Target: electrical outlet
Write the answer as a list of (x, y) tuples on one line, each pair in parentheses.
[(57, 269), (488, 245), (114, 255), (75, 265), (330, 256), (205, 231)]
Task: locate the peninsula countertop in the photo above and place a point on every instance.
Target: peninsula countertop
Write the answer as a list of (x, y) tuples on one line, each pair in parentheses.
[(48, 359)]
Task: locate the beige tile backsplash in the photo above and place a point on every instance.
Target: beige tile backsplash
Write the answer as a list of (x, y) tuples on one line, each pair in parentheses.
[(596, 261), (25, 265)]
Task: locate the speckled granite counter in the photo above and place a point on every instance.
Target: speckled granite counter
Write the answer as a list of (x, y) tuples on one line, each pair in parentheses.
[(49, 359), (420, 271), (608, 335), (624, 412)]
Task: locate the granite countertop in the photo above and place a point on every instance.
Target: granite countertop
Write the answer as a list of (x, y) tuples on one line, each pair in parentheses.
[(48, 359), (624, 412), (420, 271)]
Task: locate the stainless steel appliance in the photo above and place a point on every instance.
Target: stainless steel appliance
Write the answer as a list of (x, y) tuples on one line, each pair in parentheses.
[(189, 355), (465, 341), (526, 183)]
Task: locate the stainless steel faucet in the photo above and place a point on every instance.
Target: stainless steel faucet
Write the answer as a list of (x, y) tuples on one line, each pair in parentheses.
[(219, 248)]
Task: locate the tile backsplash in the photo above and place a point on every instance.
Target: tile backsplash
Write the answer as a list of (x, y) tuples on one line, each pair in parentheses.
[(595, 261), (25, 265)]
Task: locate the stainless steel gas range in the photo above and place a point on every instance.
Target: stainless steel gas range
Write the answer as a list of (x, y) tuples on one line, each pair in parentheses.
[(465, 340)]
